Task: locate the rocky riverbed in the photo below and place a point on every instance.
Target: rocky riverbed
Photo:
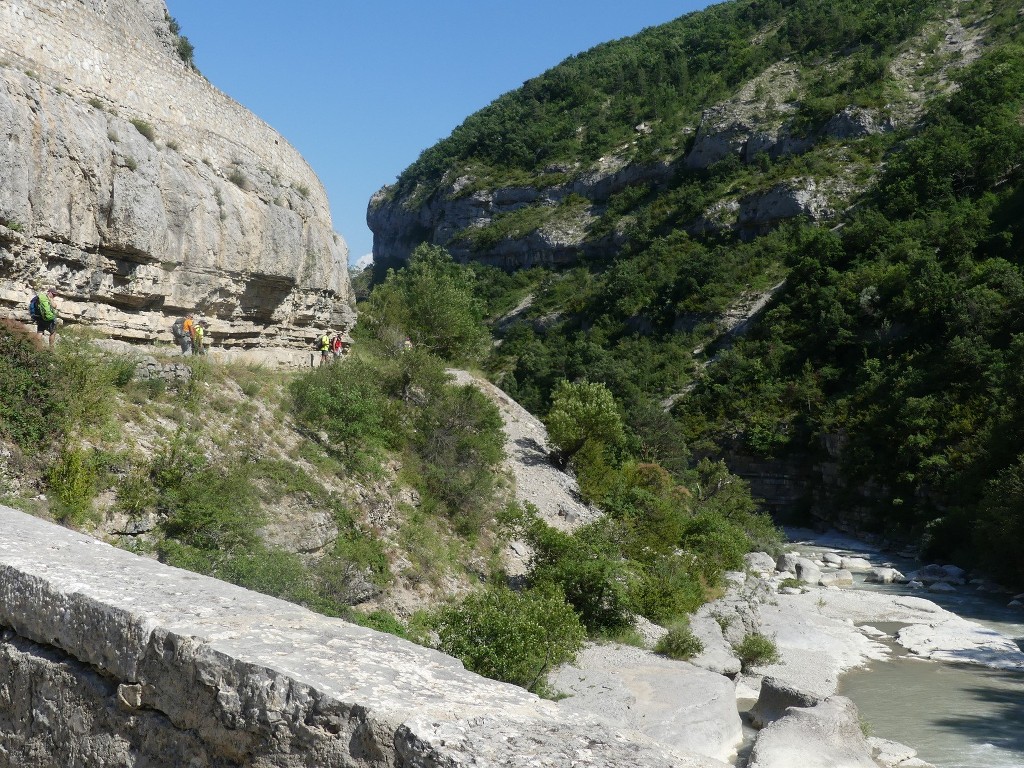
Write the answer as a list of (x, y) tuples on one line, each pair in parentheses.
[(823, 628)]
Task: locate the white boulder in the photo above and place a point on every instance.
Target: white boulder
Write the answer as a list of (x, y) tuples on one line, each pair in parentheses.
[(672, 702), (759, 562), (823, 736), (889, 753), (807, 571), (885, 576), (787, 562), (841, 578), (856, 564)]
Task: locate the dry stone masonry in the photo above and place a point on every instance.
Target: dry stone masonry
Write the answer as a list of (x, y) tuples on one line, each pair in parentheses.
[(139, 190), (110, 659)]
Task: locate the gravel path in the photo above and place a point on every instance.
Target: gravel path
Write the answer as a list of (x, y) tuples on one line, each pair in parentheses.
[(537, 481)]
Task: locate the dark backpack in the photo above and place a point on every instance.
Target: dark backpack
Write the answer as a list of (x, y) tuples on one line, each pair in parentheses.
[(33, 309), (178, 329)]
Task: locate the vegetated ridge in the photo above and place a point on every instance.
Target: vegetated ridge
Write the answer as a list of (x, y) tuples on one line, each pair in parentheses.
[(868, 154)]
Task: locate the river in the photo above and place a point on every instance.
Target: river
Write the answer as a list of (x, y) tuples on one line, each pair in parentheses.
[(954, 715)]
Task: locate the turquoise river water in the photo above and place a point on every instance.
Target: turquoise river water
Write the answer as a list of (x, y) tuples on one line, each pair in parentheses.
[(954, 715)]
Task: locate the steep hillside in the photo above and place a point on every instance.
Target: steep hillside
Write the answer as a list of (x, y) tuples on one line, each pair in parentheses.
[(310, 486), (850, 173), (735, 118), (139, 191)]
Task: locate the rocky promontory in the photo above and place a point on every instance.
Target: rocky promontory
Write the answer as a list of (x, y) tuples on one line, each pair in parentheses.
[(139, 191)]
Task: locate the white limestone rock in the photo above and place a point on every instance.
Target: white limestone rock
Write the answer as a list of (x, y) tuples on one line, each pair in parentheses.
[(211, 211), (672, 702), (717, 654), (221, 675), (841, 578), (807, 571), (775, 697), (856, 564), (826, 735), (786, 563), (954, 639), (890, 753), (885, 576), (759, 562)]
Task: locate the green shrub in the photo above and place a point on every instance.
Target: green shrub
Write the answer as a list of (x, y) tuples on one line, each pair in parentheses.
[(588, 568), (756, 650), (679, 643), (382, 621), (346, 402), (186, 51), (512, 636), (269, 571), (430, 300), (32, 392), (582, 412), (135, 492), (238, 178), (144, 128), (209, 508), (459, 441), (666, 589), (72, 480), (354, 557)]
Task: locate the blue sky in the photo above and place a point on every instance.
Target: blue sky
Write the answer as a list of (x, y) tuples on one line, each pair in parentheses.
[(361, 88)]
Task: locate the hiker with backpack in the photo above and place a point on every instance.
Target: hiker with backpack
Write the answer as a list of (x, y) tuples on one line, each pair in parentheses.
[(325, 348), (42, 310), (183, 331), (198, 335)]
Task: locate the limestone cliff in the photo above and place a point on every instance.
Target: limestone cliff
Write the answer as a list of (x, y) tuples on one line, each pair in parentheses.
[(139, 191)]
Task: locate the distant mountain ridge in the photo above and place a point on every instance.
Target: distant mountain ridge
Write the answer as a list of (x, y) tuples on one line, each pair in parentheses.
[(533, 178)]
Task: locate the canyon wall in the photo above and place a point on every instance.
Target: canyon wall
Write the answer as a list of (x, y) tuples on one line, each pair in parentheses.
[(139, 191)]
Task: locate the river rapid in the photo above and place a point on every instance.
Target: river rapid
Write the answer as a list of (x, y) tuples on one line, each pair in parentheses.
[(955, 715)]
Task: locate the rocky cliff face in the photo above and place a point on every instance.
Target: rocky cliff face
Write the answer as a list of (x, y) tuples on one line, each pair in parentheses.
[(138, 191), (761, 124)]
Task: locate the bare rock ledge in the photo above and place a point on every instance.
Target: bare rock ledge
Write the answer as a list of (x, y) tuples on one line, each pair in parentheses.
[(107, 658)]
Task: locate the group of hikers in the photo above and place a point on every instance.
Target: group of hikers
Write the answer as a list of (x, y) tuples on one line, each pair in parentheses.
[(190, 334), (332, 347)]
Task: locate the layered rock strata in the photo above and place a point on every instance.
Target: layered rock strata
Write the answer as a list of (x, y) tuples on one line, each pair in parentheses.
[(140, 192), (107, 658), (743, 127)]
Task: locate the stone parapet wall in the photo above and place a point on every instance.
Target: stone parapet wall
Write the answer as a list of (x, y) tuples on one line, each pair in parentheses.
[(108, 658)]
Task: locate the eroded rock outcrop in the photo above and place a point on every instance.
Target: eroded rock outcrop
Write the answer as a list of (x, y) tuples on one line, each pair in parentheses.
[(139, 191), (107, 658)]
